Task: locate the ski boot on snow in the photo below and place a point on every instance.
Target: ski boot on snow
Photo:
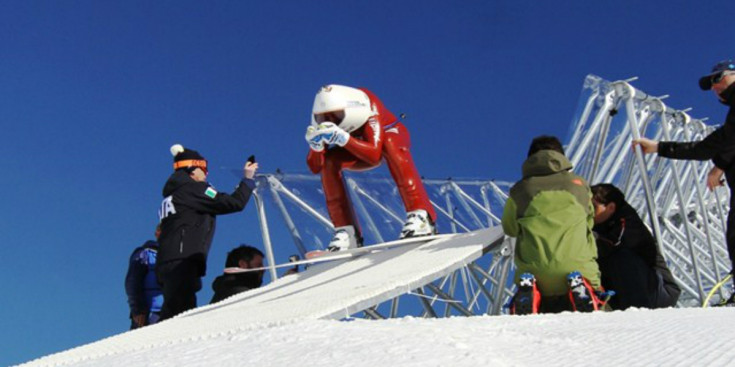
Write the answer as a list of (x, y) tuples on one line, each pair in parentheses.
[(728, 302), (527, 299), (581, 294), (418, 223), (344, 239)]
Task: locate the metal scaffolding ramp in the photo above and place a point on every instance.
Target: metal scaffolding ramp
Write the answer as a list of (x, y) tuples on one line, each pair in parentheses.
[(688, 220), (480, 286), (670, 195)]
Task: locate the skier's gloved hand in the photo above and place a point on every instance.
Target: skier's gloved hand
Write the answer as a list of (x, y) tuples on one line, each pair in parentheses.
[(333, 134), (313, 137)]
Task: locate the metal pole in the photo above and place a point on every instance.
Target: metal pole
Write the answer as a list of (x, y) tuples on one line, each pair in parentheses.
[(298, 242), (265, 234), (452, 302), (428, 310), (361, 208)]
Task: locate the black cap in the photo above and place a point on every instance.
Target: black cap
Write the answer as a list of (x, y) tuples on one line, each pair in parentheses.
[(705, 82), (187, 158)]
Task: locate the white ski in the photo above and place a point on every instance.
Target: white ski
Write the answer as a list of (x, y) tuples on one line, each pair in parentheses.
[(344, 254)]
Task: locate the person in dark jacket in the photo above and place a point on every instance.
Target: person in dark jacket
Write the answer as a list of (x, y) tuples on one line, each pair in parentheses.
[(144, 294), (629, 259), (719, 146), (231, 283), (188, 216)]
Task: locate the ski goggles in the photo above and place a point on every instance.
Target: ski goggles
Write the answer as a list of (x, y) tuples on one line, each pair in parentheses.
[(199, 163), (335, 117)]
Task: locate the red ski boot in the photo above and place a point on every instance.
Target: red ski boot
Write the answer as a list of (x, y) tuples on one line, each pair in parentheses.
[(581, 294), (527, 299)]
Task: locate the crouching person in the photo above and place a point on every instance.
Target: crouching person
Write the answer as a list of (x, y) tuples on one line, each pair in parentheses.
[(550, 212), (233, 281), (629, 259)]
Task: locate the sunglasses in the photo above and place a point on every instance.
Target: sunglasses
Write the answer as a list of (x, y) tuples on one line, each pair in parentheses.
[(718, 77)]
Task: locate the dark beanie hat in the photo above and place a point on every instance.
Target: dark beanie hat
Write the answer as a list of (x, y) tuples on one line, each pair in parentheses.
[(187, 158)]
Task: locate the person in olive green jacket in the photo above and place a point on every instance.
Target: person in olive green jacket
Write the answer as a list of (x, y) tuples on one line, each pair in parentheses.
[(550, 212)]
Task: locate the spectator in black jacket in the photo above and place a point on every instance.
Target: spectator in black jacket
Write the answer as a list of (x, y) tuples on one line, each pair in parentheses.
[(719, 146), (187, 214), (233, 282), (144, 293), (630, 262)]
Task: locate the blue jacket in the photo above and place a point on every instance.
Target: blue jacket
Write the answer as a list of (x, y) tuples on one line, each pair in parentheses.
[(144, 293)]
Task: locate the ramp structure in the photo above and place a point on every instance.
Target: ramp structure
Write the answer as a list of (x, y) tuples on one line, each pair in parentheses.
[(332, 290), (482, 286), (688, 220)]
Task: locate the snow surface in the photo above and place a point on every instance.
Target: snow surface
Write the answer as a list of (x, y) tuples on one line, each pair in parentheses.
[(285, 323), (332, 290), (670, 337)]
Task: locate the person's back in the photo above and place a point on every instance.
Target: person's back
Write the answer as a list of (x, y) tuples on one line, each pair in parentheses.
[(550, 213), (141, 286)]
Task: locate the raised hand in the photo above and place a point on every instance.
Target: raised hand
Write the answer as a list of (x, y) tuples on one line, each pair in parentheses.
[(647, 145), (313, 137), (714, 178), (333, 134), (249, 169)]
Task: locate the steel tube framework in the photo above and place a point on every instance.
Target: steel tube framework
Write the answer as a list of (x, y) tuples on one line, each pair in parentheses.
[(687, 221)]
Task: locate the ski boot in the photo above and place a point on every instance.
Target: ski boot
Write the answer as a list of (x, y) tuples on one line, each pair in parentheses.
[(729, 302), (581, 294), (418, 223), (344, 239), (527, 299)]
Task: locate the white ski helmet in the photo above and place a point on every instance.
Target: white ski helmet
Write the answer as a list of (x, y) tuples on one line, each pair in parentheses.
[(352, 103)]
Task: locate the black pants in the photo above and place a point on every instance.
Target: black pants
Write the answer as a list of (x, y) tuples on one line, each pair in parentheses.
[(635, 283), (555, 304), (667, 294), (730, 232), (180, 281)]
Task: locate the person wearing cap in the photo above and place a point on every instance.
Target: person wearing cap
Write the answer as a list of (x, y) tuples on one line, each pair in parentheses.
[(188, 216), (719, 146), (351, 129)]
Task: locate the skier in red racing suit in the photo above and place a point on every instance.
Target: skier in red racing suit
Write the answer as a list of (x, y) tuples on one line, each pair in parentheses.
[(358, 132)]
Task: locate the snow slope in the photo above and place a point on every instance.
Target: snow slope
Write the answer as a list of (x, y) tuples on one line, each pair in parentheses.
[(333, 290), (671, 337), (285, 323)]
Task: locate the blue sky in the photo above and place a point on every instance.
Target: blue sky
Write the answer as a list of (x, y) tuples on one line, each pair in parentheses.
[(93, 94)]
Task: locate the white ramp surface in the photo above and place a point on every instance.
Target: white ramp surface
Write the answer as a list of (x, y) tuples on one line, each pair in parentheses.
[(328, 291)]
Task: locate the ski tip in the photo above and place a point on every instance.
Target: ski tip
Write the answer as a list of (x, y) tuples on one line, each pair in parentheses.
[(314, 254)]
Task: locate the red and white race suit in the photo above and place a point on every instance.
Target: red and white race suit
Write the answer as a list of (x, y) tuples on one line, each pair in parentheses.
[(383, 136)]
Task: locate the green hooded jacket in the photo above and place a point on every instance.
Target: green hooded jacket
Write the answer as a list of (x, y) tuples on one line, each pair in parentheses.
[(550, 212)]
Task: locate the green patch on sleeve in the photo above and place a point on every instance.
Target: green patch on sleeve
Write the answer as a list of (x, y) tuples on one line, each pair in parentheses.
[(211, 192)]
